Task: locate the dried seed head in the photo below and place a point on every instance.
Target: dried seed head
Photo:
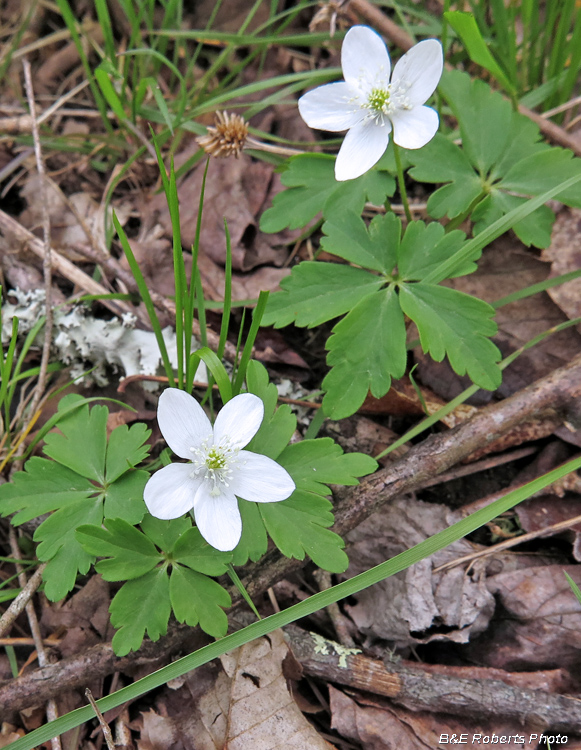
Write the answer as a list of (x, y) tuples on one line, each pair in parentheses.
[(331, 12), (226, 137)]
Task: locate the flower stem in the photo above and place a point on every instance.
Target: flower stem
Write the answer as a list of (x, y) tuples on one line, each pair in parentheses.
[(401, 183), (240, 586)]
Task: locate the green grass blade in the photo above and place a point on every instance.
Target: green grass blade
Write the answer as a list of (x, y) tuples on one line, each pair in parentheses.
[(499, 227), (107, 29), (71, 22), (217, 369), (227, 295), (574, 587), (147, 301), (257, 314), (302, 609), (6, 369)]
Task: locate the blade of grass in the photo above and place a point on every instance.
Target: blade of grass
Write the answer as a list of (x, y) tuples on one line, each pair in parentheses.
[(445, 269), (195, 289), (146, 297), (257, 314), (426, 423), (71, 23), (227, 295), (307, 607)]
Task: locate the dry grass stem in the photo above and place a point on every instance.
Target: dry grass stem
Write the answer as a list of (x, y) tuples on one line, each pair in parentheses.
[(51, 709), (46, 261)]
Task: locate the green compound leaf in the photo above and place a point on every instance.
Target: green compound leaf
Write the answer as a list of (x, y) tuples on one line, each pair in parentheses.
[(143, 559), (298, 526), (424, 248), (141, 605), (374, 246), (195, 598), (70, 486), (314, 464), (42, 487), (311, 514), (484, 117), (278, 425), (312, 189), (125, 450), (164, 534), (59, 546), (130, 553), (536, 229), (193, 550), (83, 442), (502, 161), (457, 325), (124, 498), (317, 292), (254, 540), (367, 348)]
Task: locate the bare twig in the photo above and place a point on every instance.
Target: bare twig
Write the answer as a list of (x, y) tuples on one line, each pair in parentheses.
[(60, 264), (513, 542), (421, 689), (51, 709), (46, 250), (104, 726), (18, 605)]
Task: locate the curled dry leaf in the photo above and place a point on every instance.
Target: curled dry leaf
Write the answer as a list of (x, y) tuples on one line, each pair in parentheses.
[(379, 725), (541, 623), (404, 608)]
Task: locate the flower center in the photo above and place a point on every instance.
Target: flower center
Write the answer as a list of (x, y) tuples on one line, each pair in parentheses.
[(215, 459), (384, 100), (378, 100), (215, 463)]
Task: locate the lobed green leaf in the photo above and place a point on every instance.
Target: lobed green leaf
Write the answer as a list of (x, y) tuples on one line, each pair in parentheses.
[(195, 598), (457, 325), (130, 553), (312, 189), (317, 292), (140, 606), (367, 348)]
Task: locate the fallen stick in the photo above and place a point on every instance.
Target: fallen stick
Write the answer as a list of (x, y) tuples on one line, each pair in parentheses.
[(418, 689), (556, 394)]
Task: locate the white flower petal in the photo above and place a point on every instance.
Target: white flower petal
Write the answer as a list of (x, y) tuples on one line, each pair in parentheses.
[(420, 69), (260, 479), (170, 492), (332, 107), (413, 128), (363, 146), (365, 59), (218, 518), (182, 421), (239, 420)]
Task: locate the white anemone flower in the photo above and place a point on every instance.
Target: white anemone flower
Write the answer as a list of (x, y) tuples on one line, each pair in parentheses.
[(370, 105), (218, 471)]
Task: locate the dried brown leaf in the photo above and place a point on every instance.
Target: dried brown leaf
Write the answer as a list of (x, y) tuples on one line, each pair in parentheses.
[(378, 725), (415, 601)]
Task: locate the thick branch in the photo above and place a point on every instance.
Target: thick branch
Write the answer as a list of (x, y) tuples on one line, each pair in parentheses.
[(552, 394), (419, 690)]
